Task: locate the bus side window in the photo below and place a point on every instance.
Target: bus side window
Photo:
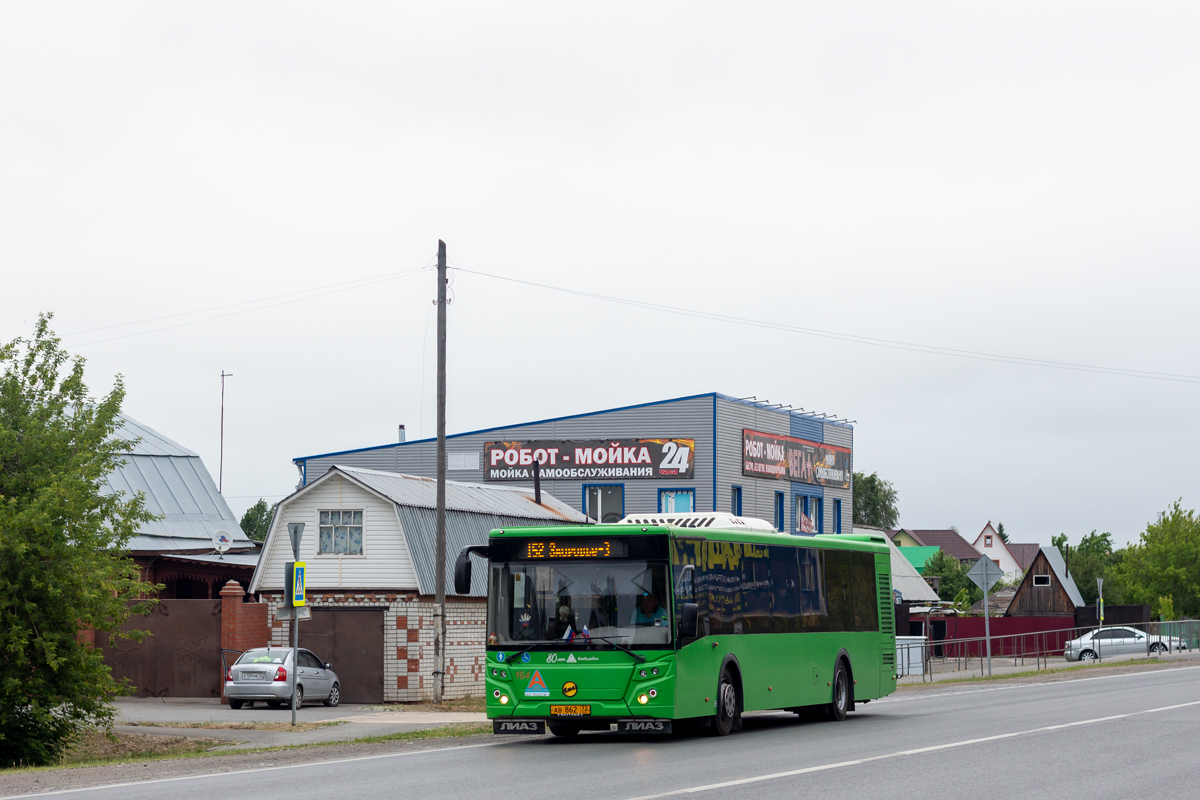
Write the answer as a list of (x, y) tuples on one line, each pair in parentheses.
[(814, 611), (862, 592), (785, 590), (837, 590)]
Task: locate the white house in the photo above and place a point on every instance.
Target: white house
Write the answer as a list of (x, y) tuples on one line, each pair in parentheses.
[(989, 543), (369, 544)]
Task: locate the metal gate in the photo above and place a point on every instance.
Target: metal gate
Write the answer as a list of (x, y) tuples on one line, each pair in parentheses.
[(352, 640), (180, 658)]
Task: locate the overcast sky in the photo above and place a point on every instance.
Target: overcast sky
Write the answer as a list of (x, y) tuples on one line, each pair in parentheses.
[(1020, 181)]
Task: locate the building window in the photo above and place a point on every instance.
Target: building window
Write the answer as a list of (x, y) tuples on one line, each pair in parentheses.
[(987, 540), (1041, 580), (779, 511), (818, 513), (604, 502), (837, 516), (340, 533), (735, 501), (804, 520), (676, 501)]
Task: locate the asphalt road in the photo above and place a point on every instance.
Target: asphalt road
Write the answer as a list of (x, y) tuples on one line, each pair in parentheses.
[(1118, 736)]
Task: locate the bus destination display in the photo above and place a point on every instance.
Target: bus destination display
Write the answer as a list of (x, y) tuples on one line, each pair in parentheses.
[(575, 548)]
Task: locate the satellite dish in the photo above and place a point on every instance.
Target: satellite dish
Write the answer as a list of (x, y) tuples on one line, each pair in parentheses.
[(221, 541)]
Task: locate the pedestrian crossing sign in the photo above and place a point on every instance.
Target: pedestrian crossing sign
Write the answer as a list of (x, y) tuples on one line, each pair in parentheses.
[(298, 570)]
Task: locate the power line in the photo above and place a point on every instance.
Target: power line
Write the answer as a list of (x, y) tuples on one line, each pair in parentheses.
[(850, 337), (345, 287)]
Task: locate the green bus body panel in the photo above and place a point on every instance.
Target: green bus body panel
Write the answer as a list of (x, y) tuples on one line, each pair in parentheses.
[(777, 670)]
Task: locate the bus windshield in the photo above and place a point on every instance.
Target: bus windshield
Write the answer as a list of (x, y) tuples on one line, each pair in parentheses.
[(622, 600)]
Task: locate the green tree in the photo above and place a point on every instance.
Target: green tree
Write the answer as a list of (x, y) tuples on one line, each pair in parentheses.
[(1092, 558), (875, 501), (952, 578), (1165, 562), (62, 539), (1000, 532), (257, 520)]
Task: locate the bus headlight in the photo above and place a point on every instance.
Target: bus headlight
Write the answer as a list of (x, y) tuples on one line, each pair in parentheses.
[(643, 698), (503, 699)]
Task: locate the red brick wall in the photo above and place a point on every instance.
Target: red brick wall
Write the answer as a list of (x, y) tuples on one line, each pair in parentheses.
[(243, 625)]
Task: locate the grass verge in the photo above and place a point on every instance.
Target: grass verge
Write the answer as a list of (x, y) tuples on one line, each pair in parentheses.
[(129, 748), (239, 726)]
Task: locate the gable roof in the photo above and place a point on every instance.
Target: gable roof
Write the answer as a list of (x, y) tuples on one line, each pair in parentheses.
[(917, 556), (1059, 567), (177, 487), (954, 545), (472, 511), (1024, 553)]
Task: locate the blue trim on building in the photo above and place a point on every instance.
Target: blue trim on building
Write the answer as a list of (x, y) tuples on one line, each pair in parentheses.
[(715, 395), (735, 508)]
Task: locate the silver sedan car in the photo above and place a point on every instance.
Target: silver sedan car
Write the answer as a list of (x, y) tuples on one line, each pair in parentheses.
[(264, 673), (1120, 642)]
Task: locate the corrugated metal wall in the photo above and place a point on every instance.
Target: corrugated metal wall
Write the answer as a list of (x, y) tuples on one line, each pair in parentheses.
[(693, 418)]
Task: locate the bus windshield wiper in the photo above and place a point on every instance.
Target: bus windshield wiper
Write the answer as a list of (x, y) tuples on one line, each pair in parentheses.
[(608, 639)]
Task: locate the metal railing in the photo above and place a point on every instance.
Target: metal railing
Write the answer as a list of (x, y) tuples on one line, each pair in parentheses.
[(931, 656)]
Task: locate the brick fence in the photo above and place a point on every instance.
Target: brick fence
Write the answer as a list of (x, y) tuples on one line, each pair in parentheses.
[(243, 625)]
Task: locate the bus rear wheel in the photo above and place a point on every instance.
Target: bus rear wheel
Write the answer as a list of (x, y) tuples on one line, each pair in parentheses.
[(840, 703), (727, 706)]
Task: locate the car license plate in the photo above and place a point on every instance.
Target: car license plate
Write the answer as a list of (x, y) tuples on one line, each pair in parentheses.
[(570, 711), (252, 676)]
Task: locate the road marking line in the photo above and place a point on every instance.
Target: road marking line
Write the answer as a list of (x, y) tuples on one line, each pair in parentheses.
[(253, 769), (915, 751)]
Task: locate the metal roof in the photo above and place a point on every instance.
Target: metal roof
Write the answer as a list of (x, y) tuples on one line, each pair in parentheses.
[(177, 488), (231, 559), (1055, 560), (905, 577), (419, 492)]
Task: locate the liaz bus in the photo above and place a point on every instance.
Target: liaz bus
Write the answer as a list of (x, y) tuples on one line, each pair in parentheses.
[(680, 620)]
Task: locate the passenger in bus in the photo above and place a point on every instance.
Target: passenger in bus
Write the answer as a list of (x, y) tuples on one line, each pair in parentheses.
[(649, 612)]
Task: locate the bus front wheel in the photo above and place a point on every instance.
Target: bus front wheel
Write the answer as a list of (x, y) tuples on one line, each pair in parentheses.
[(727, 706), (841, 694)]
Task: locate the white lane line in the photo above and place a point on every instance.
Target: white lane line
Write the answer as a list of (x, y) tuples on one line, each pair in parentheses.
[(951, 693), (917, 751), (253, 769)]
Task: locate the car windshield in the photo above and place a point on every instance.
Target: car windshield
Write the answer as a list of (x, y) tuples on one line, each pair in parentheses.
[(277, 655), (622, 600)]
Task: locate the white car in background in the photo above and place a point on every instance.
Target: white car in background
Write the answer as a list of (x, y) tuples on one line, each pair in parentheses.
[(1104, 642)]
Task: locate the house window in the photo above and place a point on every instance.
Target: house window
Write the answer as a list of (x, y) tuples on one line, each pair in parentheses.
[(779, 511), (1041, 580), (837, 516), (676, 501), (735, 501), (604, 502), (987, 540), (340, 533)]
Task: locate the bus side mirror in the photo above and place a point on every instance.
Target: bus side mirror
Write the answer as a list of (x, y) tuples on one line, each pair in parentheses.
[(462, 572), (689, 620), (462, 567)]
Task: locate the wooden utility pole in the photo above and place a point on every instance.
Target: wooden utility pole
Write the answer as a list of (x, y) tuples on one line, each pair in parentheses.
[(439, 611)]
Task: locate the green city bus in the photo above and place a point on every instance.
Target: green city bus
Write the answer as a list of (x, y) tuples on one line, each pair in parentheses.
[(680, 620)]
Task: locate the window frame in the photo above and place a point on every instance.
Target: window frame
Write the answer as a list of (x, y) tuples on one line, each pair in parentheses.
[(837, 515), (690, 489), (587, 486), (987, 540), (780, 513), (1041, 585), (316, 547), (735, 500)]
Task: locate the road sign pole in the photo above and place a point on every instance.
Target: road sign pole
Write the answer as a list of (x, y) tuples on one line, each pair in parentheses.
[(987, 630), (295, 532)]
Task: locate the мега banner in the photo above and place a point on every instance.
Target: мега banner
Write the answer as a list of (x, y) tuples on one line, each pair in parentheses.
[(768, 455), (591, 459)]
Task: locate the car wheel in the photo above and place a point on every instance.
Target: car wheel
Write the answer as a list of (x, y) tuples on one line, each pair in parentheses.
[(727, 706), (1158, 647), (841, 694), (335, 696), (564, 730), (1087, 655), (235, 704)]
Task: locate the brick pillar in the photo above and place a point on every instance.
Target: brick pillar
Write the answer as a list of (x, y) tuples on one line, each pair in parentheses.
[(243, 625)]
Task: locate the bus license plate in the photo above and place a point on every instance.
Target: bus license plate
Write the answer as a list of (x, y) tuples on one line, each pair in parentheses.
[(570, 711)]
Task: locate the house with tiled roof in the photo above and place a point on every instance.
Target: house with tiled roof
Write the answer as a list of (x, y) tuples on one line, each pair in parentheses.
[(947, 539), (990, 544)]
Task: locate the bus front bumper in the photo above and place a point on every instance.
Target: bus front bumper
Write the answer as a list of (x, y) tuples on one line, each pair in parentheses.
[(536, 726)]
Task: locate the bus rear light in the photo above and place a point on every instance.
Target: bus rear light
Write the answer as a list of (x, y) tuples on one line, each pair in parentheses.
[(281, 674)]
